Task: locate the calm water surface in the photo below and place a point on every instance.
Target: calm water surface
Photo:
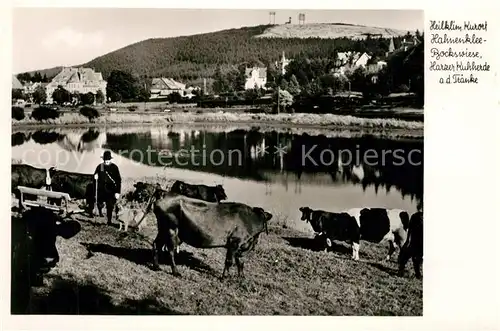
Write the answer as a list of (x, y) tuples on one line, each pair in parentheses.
[(376, 172)]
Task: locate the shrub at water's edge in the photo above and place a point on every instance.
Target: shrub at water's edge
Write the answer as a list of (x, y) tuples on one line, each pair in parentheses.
[(89, 112), (17, 113), (45, 114)]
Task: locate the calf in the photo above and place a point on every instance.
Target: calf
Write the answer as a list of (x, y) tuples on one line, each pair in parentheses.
[(414, 245), (375, 225), (34, 251), (199, 191)]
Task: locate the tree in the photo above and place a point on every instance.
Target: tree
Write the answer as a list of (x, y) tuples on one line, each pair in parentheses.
[(115, 96), (285, 99), (61, 95), (18, 94), (17, 113), (123, 83), (294, 86), (174, 97), (87, 98), (99, 98), (44, 113), (89, 113), (76, 98), (39, 95)]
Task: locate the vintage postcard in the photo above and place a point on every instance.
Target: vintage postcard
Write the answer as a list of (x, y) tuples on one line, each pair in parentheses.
[(190, 161)]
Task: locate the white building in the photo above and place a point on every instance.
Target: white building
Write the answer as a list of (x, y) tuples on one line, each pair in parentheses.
[(77, 80), (255, 77), (350, 61)]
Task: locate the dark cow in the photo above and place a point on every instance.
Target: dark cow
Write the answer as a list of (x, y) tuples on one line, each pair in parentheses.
[(375, 225), (201, 192), (29, 176), (77, 185), (414, 245), (201, 224), (143, 192), (34, 251)]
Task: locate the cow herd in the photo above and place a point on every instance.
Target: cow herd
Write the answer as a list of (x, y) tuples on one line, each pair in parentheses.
[(196, 215)]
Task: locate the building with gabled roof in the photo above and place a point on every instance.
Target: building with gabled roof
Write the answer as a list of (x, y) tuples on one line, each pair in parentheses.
[(164, 86), (77, 80)]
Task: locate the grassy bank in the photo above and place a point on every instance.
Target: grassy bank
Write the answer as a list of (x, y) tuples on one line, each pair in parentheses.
[(299, 119), (104, 271)]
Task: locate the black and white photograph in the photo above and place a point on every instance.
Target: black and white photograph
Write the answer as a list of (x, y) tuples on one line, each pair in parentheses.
[(217, 162)]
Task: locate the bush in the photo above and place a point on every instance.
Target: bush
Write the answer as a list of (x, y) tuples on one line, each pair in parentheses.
[(89, 113), (132, 108), (44, 113), (18, 113)]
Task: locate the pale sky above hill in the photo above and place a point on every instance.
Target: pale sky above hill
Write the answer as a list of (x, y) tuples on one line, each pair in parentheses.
[(49, 37)]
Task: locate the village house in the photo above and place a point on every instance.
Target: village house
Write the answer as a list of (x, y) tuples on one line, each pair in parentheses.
[(255, 77), (77, 80), (350, 61), (162, 87)]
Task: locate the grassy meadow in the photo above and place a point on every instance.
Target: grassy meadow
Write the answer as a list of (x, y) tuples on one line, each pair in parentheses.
[(104, 271)]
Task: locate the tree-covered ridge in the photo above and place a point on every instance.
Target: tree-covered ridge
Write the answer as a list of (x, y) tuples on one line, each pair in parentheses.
[(190, 58)]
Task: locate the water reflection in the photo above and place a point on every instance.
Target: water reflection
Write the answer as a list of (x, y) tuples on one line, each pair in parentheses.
[(254, 155)]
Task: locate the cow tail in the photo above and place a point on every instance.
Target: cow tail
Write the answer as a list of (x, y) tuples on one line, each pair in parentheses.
[(265, 226)]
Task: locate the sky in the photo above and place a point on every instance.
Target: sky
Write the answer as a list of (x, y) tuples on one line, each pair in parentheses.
[(49, 37)]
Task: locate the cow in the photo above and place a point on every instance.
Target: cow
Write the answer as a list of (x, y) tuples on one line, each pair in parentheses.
[(414, 246), (377, 225), (331, 226), (201, 224), (34, 251), (77, 185), (199, 191), (29, 176)]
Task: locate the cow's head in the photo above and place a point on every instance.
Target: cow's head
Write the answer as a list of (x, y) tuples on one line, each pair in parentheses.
[(143, 191), (263, 215), (306, 214), (220, 193), (42, 228)]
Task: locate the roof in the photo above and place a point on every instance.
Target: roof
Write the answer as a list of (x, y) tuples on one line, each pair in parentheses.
[(169, 83), (77, 75), (16, 84)]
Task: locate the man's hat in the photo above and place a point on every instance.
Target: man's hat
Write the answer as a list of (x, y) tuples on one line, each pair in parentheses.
[(107, 155)]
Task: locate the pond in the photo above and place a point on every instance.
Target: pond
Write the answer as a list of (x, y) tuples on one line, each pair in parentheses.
[(276, 169)]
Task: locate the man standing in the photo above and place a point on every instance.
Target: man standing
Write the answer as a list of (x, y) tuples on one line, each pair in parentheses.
[(109, 182)]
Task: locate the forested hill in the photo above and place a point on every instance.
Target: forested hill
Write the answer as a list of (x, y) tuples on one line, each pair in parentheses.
[(192, 57)]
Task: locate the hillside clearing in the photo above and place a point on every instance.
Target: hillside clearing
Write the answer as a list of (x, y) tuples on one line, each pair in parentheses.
[(327, 31)]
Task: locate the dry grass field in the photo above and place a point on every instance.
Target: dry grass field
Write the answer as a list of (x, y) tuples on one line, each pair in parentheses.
[(105, 271), (327, 30)]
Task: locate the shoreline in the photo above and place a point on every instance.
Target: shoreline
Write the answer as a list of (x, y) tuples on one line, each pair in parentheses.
[(286, 122)]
